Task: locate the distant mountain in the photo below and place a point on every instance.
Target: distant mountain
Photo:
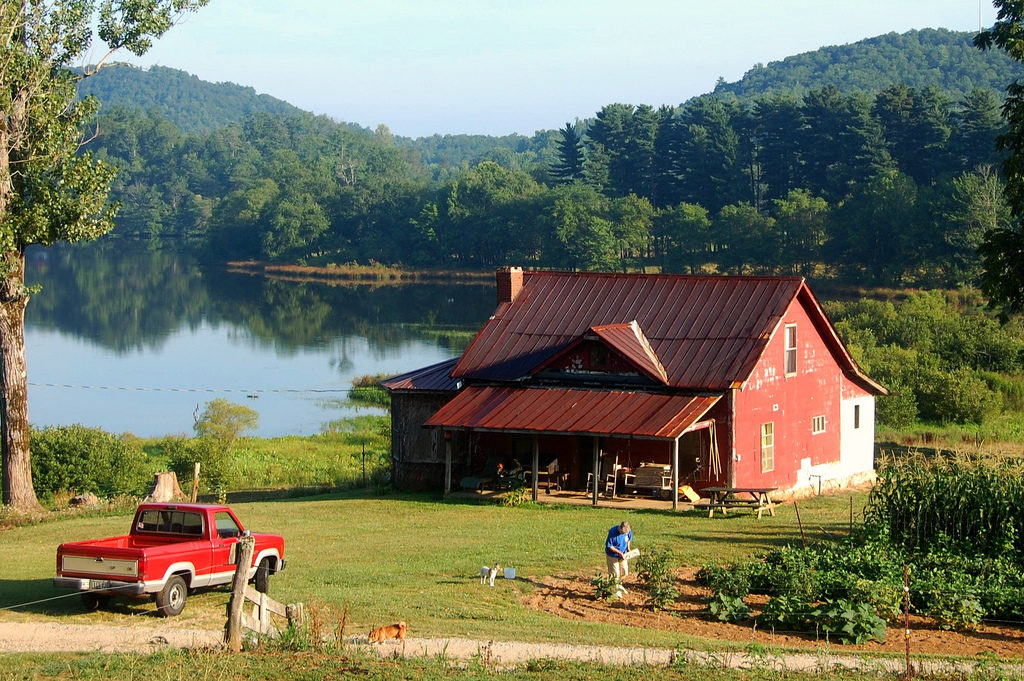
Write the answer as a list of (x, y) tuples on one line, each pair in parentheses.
[(919, 59), (192, 104), (928, 57)]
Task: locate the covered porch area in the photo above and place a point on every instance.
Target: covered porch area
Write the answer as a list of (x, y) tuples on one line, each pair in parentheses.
[(584, 446)]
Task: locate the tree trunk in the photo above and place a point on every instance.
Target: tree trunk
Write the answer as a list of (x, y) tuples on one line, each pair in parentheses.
[(14, 430)]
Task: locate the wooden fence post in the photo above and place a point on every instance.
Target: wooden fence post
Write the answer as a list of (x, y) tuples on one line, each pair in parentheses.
[(233, 630)]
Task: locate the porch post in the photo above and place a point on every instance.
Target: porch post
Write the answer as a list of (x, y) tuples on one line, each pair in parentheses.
[(536, 465), (675, 474), (596, 477), (447, 462)]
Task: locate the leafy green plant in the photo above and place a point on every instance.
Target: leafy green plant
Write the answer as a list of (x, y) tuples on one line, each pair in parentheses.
[(849, 621), (656, 570), (517, 496), (731, 580), (956, 610), (728, 608), (885, 598), (606, 587), (786, 612)]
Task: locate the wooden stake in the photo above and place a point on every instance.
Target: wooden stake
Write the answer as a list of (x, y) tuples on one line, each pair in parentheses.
[(233, 629), (195, 484), (803, 541)]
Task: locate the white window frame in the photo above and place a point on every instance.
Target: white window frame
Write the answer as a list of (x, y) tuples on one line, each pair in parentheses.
[(768, 447), (818, 424), (789, 359)]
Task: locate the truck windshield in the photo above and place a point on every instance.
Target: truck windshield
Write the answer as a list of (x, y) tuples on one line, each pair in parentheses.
[(170, 522)]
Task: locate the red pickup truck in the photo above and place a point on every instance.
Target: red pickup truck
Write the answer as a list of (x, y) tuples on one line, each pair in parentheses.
[(171, 549)]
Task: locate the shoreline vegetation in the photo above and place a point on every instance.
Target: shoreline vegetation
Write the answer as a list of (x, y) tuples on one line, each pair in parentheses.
[(356, 274)]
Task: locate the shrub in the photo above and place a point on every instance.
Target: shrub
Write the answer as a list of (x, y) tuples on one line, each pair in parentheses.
[(216, 468), (955, 610), (79, 459)]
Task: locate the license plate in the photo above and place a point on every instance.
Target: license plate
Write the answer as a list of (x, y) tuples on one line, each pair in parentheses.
[(98, 584)]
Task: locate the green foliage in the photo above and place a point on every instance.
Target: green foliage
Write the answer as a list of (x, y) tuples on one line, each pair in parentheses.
[(606, 587), (517, 496), (729, 580), (728, 608), (655, 568), (922, 504), (788, 613), (840, 176), (216, 467), (942, 363), (77, 459), (956, 611), (366, 390), (223, 421), (849, 622)]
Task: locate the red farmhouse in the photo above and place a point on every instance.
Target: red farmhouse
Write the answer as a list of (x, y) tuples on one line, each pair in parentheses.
[(707, 380)]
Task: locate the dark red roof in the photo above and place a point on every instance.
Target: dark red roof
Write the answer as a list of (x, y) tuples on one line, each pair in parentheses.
[(434, 377), (562, 410), (707, 331)]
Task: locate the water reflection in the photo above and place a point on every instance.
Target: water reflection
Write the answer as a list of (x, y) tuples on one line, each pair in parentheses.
[(135, 341)]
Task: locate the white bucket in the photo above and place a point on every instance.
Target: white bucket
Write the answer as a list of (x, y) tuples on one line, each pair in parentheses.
[(510, 573)]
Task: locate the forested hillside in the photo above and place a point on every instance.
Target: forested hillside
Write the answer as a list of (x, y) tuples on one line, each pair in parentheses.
[(193, 105), (894, 186), (926, 58)]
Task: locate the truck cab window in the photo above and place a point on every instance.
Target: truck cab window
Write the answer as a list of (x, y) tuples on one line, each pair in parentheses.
[(226, 526)]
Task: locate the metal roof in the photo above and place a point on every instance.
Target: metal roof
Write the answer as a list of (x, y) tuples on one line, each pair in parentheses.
[(562, 410), (707, 331), (435, 377)]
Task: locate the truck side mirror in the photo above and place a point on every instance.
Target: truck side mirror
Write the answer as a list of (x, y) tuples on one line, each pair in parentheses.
[(246, 533)]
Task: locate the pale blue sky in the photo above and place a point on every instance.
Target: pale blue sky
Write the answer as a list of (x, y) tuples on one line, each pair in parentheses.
[(503, 66)]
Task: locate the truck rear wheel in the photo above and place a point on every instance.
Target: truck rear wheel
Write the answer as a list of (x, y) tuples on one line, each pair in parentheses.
[(262, 579), (170, 600)]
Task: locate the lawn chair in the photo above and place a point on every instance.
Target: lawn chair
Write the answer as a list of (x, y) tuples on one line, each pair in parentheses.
[(487, 478)]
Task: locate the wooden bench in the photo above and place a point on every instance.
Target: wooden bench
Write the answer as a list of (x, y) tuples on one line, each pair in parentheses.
[(756, 498)]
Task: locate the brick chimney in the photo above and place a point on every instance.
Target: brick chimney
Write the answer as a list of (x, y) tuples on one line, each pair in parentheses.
[(510, 281)]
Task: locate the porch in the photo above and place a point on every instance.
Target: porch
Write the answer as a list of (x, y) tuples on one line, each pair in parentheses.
[(584, 498)]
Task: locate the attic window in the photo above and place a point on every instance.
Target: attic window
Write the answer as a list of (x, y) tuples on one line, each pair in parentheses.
[(598, 356), (790, 349)]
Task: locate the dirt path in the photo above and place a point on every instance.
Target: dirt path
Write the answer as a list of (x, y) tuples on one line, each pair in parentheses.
[(108, 638)]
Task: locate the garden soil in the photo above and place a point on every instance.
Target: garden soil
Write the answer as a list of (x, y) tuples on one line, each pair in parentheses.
[(572, 597)]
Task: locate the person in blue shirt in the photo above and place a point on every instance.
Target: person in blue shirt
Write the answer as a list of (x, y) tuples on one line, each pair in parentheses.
[(620, 540)]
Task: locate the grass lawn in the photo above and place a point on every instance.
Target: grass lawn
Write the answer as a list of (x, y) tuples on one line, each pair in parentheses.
[(417, 558)]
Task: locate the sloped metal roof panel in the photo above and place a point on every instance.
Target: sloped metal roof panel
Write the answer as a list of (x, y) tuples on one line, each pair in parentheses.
[(706, 330), (436, 377), (562, 410)]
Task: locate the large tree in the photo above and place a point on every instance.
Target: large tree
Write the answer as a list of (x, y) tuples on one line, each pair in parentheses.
[(1003, 247), (48, 191)]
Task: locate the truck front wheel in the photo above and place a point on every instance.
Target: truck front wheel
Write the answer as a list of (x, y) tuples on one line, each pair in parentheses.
[(170, 600)]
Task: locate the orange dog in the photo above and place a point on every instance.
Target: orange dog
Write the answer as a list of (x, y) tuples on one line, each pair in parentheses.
[(381, 634)]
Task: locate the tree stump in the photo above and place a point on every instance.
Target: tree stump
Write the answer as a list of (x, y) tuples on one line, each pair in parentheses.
[(165, 488)]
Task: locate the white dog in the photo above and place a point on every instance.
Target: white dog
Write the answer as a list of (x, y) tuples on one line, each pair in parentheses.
[(487, 574)]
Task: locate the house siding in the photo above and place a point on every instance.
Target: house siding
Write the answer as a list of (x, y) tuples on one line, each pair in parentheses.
[(790, 403)]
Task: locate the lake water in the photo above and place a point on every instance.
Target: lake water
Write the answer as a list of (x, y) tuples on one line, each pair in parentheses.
[(140, 342)]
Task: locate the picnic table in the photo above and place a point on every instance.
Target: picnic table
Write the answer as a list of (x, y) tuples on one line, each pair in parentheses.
[(724, 498)]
